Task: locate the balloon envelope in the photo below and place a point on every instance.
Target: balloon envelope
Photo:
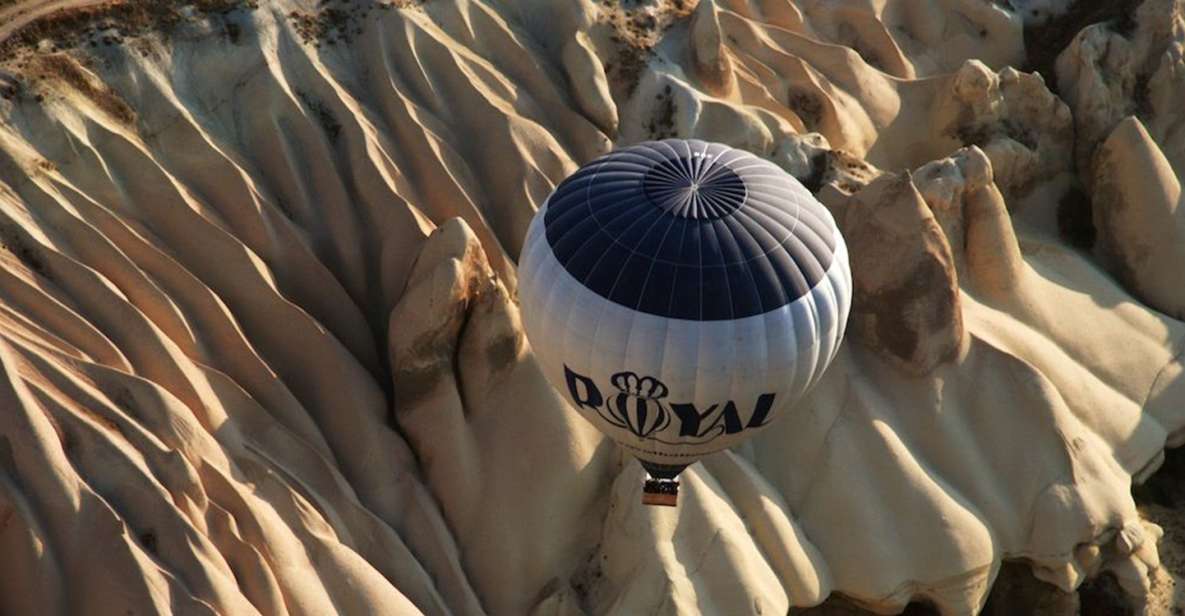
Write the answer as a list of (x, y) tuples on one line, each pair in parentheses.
[(682, 295)]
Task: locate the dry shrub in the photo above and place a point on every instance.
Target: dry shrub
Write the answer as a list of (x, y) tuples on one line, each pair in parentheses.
[(62, 68)]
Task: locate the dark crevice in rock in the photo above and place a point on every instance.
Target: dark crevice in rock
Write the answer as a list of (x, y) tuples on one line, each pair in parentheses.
[(1166, 487), (1017, 591), (1102, 596), (1075, 220)]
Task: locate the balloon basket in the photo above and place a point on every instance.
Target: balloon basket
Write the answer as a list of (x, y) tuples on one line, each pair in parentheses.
[(662, 492)]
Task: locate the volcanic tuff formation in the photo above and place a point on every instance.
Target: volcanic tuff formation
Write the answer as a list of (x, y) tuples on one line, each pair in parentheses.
[(261, 349)]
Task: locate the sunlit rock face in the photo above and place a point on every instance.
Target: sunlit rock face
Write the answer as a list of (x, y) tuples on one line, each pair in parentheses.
[(262, 350)]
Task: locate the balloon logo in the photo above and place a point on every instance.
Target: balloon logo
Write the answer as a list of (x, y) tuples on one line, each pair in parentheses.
[(681, 296), (637, 407)]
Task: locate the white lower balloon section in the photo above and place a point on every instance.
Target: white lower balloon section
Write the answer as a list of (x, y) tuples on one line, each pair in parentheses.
[(672, 390)]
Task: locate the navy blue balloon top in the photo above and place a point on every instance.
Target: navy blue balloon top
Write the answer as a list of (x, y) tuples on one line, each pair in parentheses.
[(690, 230)]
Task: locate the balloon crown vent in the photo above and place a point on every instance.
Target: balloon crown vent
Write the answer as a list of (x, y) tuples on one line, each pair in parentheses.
[(696, 187)]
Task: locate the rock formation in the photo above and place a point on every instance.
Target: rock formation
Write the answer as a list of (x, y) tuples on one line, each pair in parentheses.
[(261, 350)]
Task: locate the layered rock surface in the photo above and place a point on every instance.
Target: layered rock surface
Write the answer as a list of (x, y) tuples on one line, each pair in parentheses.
[(261, 349)]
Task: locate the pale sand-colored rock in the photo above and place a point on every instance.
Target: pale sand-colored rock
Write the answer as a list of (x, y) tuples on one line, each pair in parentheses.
[(1106, 75), (262, 353), (1138, 214), (905, 290)]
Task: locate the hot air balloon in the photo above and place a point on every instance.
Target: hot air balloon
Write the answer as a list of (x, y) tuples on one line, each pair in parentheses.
[(681, 295)]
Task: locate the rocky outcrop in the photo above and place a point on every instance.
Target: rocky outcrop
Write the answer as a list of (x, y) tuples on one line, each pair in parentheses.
[(474, 405), (710, 54), (905, 301), (1134, 67), (831, 174), (1024, 129), (1139, 217)]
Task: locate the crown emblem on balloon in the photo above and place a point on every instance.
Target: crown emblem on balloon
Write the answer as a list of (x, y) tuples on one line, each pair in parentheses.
[(646, 387), (637, 407)]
